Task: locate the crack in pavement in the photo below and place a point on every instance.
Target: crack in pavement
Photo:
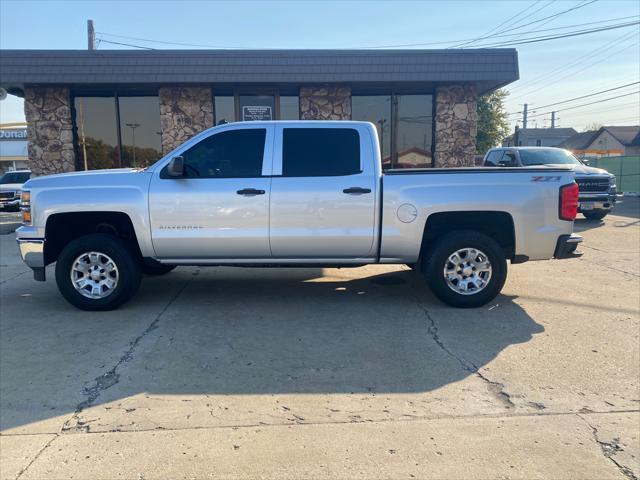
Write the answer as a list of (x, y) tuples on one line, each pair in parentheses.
[(291, 423), (36, 456), (112, 377), (619, 270), (609, 449), (14, 277), (496, 388)]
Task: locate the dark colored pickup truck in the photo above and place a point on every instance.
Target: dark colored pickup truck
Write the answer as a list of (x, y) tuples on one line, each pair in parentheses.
[(598, 191)]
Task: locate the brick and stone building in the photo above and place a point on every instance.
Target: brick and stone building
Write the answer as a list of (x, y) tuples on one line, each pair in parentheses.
[(105, 109)]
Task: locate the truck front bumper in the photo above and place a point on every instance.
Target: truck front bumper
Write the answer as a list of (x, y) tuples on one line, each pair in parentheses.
[(32, 253), (597, 201), (566, 246)]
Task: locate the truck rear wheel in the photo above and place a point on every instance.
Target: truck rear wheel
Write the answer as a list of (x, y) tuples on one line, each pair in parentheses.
[(465, 268), (97, 272)]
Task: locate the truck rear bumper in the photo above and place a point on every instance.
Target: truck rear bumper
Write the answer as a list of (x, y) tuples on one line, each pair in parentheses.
[(566, 246), (32, 253)]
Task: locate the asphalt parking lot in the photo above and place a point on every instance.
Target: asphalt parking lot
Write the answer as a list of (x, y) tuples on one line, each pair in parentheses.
[(345, 373)]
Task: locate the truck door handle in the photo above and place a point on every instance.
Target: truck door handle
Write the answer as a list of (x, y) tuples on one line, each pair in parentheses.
[(250, 191), (356, 190)]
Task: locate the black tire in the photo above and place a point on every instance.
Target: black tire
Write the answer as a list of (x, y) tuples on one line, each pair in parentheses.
[(129, 273), (436, 258), (156, 269), (595, 214)]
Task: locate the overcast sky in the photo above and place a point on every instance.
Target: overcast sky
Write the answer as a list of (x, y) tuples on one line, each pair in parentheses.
[(550, 71)]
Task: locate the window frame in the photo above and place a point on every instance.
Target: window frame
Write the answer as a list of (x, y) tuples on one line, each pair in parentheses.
[(394, 118), (230, 132), (237, 92), (115, 95), (367, 147), (314, 127), (499, 153), (267, 156)]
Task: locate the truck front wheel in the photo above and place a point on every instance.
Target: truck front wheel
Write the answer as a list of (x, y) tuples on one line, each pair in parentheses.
[(595, 214), (97, 272), (465, 268)]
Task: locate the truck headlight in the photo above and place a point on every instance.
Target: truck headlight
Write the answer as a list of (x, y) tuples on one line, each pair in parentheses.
[(25, 207), (612, 180)]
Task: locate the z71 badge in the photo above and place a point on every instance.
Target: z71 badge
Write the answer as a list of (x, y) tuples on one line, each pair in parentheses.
[(545, 178)]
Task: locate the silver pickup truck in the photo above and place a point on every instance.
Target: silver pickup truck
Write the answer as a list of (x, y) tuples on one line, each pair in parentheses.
[(293, 193)]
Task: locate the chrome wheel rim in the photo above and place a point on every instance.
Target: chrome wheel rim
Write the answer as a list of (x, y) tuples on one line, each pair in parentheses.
[(94, 275), (467, 271)]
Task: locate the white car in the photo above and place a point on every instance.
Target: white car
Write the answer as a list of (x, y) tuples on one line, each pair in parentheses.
[(11, 188)]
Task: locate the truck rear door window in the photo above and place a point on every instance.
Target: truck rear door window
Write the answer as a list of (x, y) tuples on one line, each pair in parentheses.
[(320, 152), (230, 154)]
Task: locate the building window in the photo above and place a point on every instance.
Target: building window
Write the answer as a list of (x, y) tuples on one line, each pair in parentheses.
[(538, 143), (257, 107), (117, 132), (413, 121), (246, 107), (140, 135), (97, 132), (404, 124), (225, 111), (290, 107), (377, 110)]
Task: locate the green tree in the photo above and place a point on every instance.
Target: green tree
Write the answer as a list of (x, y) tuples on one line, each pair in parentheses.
[(493, 126)]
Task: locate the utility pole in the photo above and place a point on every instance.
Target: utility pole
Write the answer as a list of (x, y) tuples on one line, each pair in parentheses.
[(133, 127), (91, 35), (381, 122), (525, 113), (553, 119)]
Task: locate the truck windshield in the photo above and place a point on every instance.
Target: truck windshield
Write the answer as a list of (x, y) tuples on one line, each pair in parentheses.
[(15, 177), (547, 157)]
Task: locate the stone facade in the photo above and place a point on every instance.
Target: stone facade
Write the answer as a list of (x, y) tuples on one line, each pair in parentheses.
[(325, 103), (456, 126), (49, 130), (184, 112)]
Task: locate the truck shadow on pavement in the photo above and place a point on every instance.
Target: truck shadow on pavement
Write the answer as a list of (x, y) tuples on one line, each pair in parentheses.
[(224, 331)]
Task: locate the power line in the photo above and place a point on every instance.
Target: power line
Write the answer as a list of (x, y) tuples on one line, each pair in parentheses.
[(621, 107), (555, 15), (565, 35), (578, 61), (102, 40), (163, 42), (506, 43), (464, 44), (590, 103), (583, 96), (559, 79)]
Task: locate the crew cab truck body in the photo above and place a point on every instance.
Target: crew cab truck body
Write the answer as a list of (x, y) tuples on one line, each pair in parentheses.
[(292, 193), (597, 188)]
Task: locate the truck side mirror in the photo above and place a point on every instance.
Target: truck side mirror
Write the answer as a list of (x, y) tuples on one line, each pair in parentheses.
[(175, 168)]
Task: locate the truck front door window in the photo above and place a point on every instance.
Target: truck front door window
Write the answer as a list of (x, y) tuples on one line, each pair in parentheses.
[(230, 154)]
